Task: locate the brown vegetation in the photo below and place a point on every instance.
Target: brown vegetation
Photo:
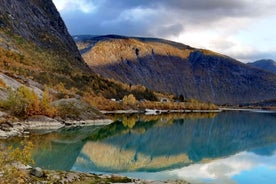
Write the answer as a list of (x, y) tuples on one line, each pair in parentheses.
[(194, 105), (10, 158), (130, 102), (2, 84), (176, 68), (24, 102)]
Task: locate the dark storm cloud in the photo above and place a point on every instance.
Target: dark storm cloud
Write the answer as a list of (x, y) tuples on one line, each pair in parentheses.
[(146, 17), (161, 18), (182, 4)]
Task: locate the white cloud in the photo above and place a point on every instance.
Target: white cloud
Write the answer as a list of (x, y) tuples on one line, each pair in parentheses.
[(73, 5), (224, 169), (243, 29)]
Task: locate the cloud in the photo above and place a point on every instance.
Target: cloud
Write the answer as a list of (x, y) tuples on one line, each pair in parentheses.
[(223, 170), (84, 6), (174, 19)]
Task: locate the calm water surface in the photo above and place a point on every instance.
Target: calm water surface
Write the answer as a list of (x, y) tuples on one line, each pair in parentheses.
[(229, 147)]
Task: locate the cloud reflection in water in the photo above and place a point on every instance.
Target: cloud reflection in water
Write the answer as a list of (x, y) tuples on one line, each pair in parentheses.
[(233, 169)]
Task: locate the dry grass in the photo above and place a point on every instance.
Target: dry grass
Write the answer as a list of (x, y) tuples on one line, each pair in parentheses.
[(2, 84)]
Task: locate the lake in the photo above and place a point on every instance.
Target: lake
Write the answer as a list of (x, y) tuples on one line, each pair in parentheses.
[(228, 147)]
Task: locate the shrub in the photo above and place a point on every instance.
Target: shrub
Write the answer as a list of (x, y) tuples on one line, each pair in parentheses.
[(24, 102), (45, 107), (129, 121), (129, 100), (11, 157), (2, 84), (102, 103)]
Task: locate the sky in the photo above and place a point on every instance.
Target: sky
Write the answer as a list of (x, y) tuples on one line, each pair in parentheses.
[(242, 29)]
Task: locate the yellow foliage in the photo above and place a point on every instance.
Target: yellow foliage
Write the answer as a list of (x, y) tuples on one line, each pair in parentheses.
[(31, 99), (140, 88), (129, 121), (61, 88), (129, 100), (102, 103), (2, 84), (45, 107), (24, 102), (8, 160)]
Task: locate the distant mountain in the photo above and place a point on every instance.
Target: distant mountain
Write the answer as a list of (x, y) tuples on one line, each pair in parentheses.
[(176, 68), (265, 64)]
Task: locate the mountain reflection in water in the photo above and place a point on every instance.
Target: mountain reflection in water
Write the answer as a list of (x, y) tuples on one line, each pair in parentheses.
[(158, 143)]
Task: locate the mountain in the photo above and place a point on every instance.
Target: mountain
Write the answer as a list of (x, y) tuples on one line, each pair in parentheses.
[(176, 68), (265, 64), (35, 47), (35, 44), (35, 26)]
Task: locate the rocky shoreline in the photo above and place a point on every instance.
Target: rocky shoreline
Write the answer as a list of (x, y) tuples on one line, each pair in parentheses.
[(159, 111), (39, 176), (42, 123), (15, 128)]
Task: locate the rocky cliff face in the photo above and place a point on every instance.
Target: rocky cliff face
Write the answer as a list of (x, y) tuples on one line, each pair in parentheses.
[(37, 23), (265, 64), (176, 68), (36, 46)]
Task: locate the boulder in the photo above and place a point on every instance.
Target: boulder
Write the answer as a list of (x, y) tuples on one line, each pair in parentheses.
[(75, 109), (40, 122), (37, 171)]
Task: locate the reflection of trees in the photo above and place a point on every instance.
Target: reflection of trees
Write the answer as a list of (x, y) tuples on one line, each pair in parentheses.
[(129, 121), (58, 150), (200, 138), (173, 116), (140, 123), (163, 116), (161, 139)]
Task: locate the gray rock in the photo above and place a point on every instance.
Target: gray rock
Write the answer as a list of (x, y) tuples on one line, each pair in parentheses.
[(40, 122), (2, 114), (75, 109), (37, 171), (10, 82)]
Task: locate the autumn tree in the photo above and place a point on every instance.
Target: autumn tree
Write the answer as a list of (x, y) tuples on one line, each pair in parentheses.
[(129, 100), (45, 107), (9, 160), (23, 102)]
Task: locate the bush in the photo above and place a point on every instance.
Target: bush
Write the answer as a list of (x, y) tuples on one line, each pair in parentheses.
[(129, 100), (24, 102), (102, 103), (129, 121), (45, 107), (2, 84), (9, 173)]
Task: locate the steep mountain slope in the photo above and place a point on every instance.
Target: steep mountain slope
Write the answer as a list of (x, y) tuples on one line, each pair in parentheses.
[(36, 46), (265, 64), (176, 68), (35, 26)]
